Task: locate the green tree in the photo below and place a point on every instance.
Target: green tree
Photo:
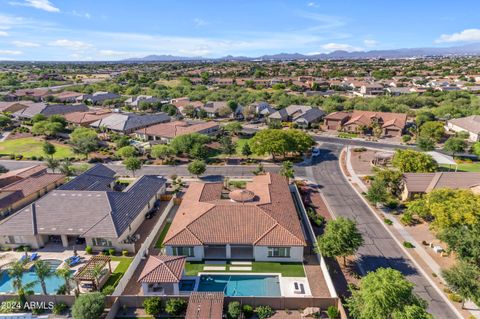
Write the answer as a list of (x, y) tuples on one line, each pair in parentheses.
[(299, 141), (455, 145), (153, 306), (162, 151), (410, 161), (464, 279), (84, 141), (133, 164), (464, 241), (38, 118), (43, 272), (381, 294), (66, 274), (122, 141), (340, 239), (197, 167), (89, 306), (47, 128), (52, 164), (175, 306), (233, 128), (126, 151), (377, 193), (287, 169), (476, 148), (232, 105), (49, 149), (433, 130), (426, 144), (412, 312), (190, 144), (67, 168), (270, 141), (15, 271), (234, 310), (4, 121), (227, 145), (246, 151)]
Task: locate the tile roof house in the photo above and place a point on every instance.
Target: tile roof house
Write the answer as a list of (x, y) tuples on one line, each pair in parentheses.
[(336, 120), (205, 305), (469, 124), (423, 183), (130, 122), (13, 107), (135, 101), (86, 118), (86, 207), (67, 96), (162, 274), (259, 222), (392, 124), (98, 97), (168, 131), (23, 186), (303, 115), (49, 109)]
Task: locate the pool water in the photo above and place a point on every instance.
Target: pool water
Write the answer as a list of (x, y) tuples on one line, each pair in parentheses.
[(29, 276), (241, 285), (187, 285)]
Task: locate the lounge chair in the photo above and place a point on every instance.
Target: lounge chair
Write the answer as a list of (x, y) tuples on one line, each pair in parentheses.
[(33, 256), (74, 261)]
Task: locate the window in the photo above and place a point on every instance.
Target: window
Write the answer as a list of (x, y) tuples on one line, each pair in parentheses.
[(101, 242), (279, 252), (183, 251)]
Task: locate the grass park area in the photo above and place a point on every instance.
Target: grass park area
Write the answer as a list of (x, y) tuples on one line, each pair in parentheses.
[(462, 167), (117, 274), (286, 269), (31, 146), (163, 233)]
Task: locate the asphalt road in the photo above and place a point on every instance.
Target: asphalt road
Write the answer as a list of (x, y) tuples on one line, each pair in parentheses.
[(379, 250)]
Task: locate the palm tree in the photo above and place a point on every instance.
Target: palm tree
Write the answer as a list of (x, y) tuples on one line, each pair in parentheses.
[(16, 273), (43, 271), (66, 275)]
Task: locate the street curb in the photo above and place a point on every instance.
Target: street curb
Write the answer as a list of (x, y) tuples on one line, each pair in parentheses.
[(417, 265)]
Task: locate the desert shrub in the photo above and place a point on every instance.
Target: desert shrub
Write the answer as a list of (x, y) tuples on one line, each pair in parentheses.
[(408, 244), (234, 310), (153, 306), (264, 312), (59, 308), (247, 311), (332, 312), (112, 252), (88, 250)]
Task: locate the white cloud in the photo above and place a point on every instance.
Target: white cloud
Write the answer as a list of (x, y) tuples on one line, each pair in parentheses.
[(199, 22), (71, 44), (312, 5), (3, 33), (370, 42), (85, 15), (25, 44), (10, 52), (45, 5), (467, 35), (329, 47)]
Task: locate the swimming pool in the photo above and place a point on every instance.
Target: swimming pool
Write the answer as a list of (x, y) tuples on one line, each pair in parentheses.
[(241, 285), (52, 283)]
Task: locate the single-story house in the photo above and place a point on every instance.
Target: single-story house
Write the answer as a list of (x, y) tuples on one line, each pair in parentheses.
[(134, 101), (12, 107), (162, 274), (33, 94), (98, 97), (262, 109), (469, 124), (86, 118), (396, 91), (129, 122), (371, 89), (259, 222), (392, 124), (67, 96), (423, 183), (49, 109), (86, 207), (303, 115), (168, 131), (336, 120), (23, 186)]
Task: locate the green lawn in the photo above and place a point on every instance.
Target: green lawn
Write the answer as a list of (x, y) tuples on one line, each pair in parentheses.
[(462, 167), (31, 146), (119, 271), (159, 243), (286, 269)]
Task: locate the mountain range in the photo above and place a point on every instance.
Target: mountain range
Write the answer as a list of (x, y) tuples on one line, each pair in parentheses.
[(464, 50)]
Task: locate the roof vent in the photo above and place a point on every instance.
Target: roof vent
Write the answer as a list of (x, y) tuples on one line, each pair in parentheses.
[(241, 195)]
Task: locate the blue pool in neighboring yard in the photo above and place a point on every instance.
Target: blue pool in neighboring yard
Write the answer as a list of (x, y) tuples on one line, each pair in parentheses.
[(241, 285), (52, 283)]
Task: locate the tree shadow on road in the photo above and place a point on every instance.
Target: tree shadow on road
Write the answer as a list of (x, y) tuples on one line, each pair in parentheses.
[(370, 263)]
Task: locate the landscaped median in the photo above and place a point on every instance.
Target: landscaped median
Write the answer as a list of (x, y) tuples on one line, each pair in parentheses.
[(192, 268)]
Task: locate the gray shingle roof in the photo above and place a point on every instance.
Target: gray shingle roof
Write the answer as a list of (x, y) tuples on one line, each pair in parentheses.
[(50, 109), (76, 211), (97, 178), (128, 122)]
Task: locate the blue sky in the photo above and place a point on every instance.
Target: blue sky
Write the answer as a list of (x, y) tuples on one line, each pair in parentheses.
[(116, 29)]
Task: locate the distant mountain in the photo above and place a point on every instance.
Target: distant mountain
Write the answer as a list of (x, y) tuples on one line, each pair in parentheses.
[(464, 50)]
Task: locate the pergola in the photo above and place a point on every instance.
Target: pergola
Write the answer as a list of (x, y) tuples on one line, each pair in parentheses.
[(88, 271)]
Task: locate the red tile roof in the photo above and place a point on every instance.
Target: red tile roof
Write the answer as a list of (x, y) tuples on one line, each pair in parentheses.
[(163, 268), (269, 219), (205, 305), (365, 117)]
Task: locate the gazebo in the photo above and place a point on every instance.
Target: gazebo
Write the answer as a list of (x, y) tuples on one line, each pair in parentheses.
[(88, 272)]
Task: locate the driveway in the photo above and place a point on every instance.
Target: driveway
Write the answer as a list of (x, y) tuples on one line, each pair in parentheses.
[(379, 250)]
